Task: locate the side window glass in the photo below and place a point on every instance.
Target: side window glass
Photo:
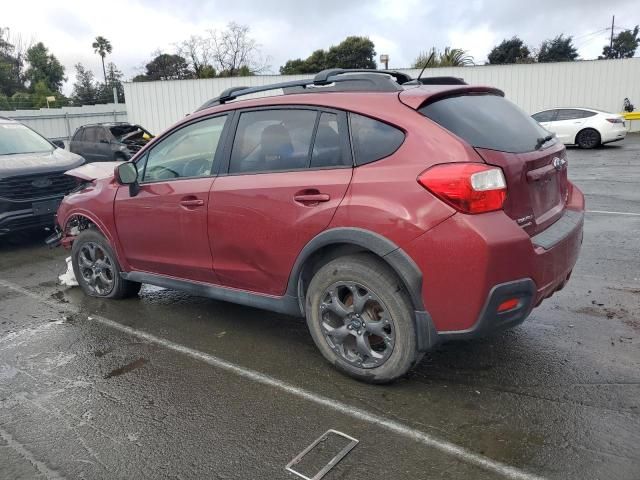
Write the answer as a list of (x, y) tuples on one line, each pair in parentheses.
[(373, 140), (77, 137), (101, 135), (188, 152), (272, 140), (327, 150), (546, 116), (568, 114), (586, 114), (90, 135)]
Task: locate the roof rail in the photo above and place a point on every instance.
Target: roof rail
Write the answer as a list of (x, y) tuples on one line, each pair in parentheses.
[(337, 80), (437, 81), (324, 75), (327, 80)]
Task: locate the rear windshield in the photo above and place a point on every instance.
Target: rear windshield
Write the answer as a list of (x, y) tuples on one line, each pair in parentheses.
[(487, 121)]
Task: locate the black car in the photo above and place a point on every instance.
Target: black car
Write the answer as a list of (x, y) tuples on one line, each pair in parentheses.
[(108, 142), (32, 179)]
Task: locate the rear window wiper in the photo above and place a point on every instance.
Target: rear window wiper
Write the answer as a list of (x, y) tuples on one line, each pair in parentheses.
[(542, 140)]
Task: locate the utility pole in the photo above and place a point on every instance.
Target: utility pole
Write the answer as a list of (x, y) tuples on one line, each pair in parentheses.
[(613, 19)]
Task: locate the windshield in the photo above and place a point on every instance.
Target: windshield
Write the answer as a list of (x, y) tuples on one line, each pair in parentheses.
[(16, 138), (488, 121)]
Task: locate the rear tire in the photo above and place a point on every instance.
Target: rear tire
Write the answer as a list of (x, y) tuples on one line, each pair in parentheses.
[(96, 267), (588, 138), (361, 319)]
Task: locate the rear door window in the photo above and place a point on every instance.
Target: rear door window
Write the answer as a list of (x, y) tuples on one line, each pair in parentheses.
[(546, 116), (373, 140), (90, 134), (327, 145), (487, 121), (273, 140), (572, 114), (101, 135)]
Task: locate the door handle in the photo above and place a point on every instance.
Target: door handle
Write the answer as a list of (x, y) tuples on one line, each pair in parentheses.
[(311, 198), (192, 202)]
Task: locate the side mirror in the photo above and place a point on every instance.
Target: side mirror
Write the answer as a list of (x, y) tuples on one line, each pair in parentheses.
[(58, 143), (127, 174)]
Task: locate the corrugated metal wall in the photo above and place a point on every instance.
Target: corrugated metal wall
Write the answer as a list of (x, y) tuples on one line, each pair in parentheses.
[(61, 123), (601, 84)]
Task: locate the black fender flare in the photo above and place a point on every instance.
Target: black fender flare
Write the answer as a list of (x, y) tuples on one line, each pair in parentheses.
[(402, 264)]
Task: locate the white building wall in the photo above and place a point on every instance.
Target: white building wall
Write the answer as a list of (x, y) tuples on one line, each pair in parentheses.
[(601, 84), (61, 123)]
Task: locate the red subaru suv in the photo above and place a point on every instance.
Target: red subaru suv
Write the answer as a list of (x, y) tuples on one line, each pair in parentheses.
[(392, 213)]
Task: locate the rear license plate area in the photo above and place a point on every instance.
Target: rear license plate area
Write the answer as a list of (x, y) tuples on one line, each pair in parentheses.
[(545, 195), (46, 207)]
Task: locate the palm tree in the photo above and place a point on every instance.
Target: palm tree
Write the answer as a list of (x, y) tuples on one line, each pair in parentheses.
[(102, 46), (450, 57), (455, 57)]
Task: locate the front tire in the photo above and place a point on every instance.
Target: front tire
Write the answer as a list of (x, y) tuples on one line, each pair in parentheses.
[(588, 138), (96, 267), (361, 319)]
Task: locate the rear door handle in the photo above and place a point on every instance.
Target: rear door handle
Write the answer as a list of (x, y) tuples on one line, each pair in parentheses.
[(311, 198), (192, 202)]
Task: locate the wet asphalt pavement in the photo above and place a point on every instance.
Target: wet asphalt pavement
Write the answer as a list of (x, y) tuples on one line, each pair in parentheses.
[(173, 386)]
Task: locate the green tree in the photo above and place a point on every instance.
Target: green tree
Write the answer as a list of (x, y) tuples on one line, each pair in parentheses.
[(449, 57), (4, 102), (21, 100), (295, 66), (85, 90), (165, 67), (11, 64), (455, 57), (40, 93), (44, 67), (427, 59), (102, 46), (510, 51), (558, 49), (114, 80), (352, 52), (624, 45)]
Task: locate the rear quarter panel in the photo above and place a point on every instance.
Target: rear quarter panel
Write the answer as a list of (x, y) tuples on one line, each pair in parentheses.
[(385, 196)]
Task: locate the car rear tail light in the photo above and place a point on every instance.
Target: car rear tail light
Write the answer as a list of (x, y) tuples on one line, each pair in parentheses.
[(468, 187), (615, 120)]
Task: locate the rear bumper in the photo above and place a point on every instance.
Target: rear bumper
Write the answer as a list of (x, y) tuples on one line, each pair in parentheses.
[(470, 264), (492, 320), (613, 134)]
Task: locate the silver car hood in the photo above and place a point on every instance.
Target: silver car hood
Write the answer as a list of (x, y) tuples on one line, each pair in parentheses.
[(56, 160)]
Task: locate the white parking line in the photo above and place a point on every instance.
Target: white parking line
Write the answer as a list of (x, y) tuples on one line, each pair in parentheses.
[(605, 212), (444, 446)]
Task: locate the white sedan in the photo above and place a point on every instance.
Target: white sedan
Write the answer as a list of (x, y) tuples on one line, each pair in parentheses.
[(585, 127)]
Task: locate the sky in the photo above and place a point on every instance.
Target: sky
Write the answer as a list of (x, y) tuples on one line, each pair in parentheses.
[(288, 29)]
